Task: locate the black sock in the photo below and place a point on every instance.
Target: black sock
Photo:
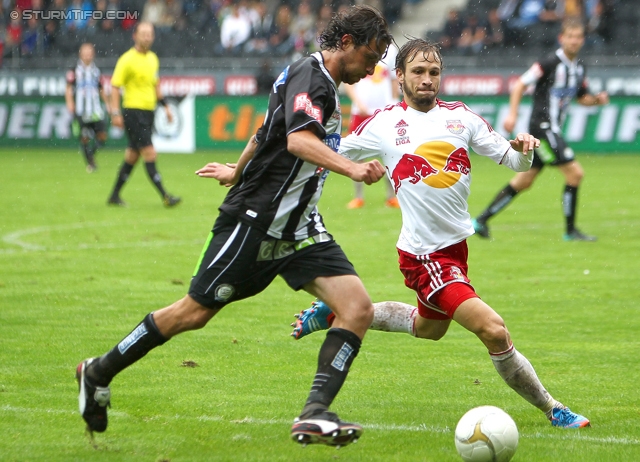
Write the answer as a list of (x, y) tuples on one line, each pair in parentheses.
[(123, 176), (336, 355), (134, 346), (88, 153), (569, 203), (503, 199), (154, 176)]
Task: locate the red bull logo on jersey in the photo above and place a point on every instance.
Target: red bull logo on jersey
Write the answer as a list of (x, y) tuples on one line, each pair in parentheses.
[(458, 162), (451, 163), (413, 168), (455, 126)]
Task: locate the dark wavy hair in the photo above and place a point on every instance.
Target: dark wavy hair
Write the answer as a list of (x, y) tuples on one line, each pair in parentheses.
[(362, 22), (410, 50)]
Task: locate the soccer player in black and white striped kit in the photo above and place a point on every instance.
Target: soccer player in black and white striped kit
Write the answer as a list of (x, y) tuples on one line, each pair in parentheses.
[(83, 97), (558, 79)]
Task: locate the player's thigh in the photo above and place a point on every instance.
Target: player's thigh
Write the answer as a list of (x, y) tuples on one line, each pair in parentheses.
[(432, 329), (230, 268), (478, 317)]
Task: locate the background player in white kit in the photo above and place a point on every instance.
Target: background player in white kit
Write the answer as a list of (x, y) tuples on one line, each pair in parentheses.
[(424, 144), (374, 92)]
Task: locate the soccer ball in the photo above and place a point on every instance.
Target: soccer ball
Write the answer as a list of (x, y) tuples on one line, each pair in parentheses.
[(485, 434)]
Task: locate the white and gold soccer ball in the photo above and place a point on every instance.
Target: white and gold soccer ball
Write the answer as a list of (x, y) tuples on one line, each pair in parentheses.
[(485, 434)]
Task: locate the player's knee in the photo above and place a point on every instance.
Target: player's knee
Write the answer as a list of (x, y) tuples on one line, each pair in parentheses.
[(494, 332)]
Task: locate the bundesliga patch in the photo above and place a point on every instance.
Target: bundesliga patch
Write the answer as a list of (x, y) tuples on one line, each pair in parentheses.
[(132, 338), (341, 358), (454, 126)]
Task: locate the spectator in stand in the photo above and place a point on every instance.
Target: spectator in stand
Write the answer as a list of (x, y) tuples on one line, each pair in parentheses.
[(78, 15), (212, 12), (524, 19), (173, 18), (54, 27), (280, 39), (494, 33), (303, 29), (473, 36), (32, 38), (392, 10), (600, 22), (324, 16), (451, 31), (13, 34), (260, 30), (112, 7), (235, 31), (265, 78), (154, 11)]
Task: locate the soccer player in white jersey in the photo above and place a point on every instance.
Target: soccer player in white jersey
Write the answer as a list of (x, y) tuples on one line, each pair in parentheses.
[(424, 144)]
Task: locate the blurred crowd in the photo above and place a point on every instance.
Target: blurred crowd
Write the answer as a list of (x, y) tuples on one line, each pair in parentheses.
[(490, 24), (281, 27), (232, 27)]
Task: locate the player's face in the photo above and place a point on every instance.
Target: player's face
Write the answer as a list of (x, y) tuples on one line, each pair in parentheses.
[(86, 54), (144, 37), (571, 41), (421, 81), (360, 61)]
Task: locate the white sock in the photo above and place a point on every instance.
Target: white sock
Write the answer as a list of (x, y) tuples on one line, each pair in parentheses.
[(394, 317), (518, 373)]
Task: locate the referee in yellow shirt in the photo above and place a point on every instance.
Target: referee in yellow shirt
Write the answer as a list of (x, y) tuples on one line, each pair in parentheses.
[(137, 73)]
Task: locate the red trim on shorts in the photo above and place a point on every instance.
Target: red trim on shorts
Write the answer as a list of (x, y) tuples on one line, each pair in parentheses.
[(447, 300)]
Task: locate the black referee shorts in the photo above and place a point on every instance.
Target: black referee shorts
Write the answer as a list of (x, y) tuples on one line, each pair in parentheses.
[(138, 123), (238, 262)]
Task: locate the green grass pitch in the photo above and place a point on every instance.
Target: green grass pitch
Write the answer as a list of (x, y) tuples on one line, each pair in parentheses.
[(76, 276)]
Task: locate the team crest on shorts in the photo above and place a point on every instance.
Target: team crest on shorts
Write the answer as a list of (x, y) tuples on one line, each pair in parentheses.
[(224, 292), (455, 126), (456, 273)]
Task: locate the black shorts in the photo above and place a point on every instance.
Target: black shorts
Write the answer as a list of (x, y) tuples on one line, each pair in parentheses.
[(138, 123), (553, 149), (90, 129), (239, 261)]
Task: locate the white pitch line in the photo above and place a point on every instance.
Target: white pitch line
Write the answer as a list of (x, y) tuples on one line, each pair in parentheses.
[(15, 238), (561, 434)]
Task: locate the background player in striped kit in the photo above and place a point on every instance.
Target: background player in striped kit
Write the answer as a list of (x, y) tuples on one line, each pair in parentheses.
[(83, 94), (558, 79)]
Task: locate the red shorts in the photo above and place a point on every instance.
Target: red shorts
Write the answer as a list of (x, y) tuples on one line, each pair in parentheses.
[(355, 121), (439, 280)]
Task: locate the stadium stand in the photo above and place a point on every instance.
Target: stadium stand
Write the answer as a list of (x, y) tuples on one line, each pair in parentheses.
[(190, 30)]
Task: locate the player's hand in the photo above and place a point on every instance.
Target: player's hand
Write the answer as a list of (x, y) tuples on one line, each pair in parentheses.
[(117, 121), (509, 123), (225, 174), (525, 143), (167, 111), (602, 98), (368, 172)]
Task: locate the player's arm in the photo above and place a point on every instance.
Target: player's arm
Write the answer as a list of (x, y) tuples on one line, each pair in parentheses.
[(68, 93), (163, 102), (306, 145), (599, 99), (520, 156), (116, 115), (514, 103), (229, 174)]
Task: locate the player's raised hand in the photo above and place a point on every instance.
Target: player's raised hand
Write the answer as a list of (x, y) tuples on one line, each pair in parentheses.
[(225, 174), (368, 172), (509, 123), (524, 142)]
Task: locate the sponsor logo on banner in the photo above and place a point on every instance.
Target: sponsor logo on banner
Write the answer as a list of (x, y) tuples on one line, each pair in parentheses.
[(240, 85)]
